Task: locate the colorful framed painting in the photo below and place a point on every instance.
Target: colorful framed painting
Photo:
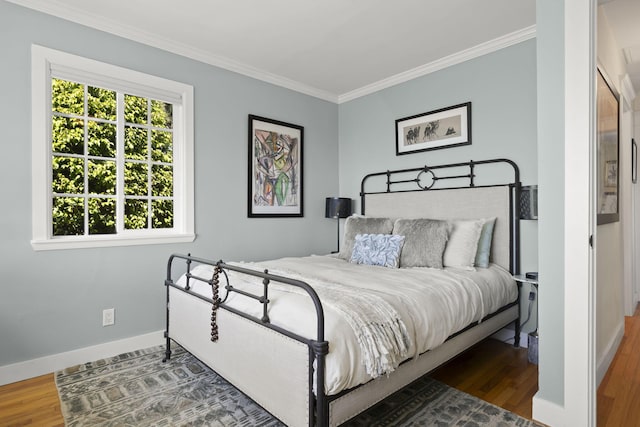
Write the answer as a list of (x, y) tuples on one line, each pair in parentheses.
[(275, 168), (608, 142), (443, 128)]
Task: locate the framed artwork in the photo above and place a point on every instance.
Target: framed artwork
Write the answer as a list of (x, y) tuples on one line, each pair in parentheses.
[(443, 128), (634, 161), (275, 168), (607, 134)]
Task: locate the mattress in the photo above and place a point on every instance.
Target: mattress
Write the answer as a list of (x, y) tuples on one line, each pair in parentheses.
[(432, 304)]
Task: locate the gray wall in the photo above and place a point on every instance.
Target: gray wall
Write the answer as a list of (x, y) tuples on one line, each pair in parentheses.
[(52, 302), (502, 89)]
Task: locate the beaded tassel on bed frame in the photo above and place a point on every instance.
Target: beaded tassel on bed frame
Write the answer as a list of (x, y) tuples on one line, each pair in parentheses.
[(215, 303)]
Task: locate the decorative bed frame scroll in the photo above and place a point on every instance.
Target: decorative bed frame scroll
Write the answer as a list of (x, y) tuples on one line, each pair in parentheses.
[(241, 360), (514, 232)]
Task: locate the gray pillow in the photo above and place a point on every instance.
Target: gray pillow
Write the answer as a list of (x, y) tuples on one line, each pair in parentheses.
[(424, 243), (362, 225)]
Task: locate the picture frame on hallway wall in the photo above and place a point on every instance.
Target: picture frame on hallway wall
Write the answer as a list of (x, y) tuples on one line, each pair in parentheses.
[(608, 150), (444, 128), (275, 168)]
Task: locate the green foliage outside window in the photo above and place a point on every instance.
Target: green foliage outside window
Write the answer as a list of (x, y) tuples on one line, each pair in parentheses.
[(84, 177)]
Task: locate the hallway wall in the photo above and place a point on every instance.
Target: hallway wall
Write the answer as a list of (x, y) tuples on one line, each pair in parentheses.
[(635, 211), (609, 237)]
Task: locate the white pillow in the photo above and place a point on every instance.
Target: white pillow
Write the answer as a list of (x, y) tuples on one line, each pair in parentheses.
[(463, 243)]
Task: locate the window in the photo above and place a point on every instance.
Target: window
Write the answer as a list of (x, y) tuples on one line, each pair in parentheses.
[(112, 155)]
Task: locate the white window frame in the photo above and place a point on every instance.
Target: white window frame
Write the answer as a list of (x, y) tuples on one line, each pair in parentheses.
[(47, 62)]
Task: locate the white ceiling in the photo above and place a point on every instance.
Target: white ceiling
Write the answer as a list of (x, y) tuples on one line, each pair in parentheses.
[(333, 49), (624, 19)]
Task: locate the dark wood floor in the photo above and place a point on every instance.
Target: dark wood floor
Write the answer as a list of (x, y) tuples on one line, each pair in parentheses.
[(493, 371)]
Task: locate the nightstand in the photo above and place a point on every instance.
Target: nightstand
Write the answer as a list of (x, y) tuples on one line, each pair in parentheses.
[(533, 336), (523, 279)]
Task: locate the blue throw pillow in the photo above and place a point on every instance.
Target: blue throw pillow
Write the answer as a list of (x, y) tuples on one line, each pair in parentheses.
[(377, 249), (484, 244)]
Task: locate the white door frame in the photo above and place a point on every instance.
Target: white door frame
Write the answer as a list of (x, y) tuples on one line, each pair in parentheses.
[(579, 220)]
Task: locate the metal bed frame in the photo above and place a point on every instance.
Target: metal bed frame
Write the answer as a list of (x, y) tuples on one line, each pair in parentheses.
[(318, 347)]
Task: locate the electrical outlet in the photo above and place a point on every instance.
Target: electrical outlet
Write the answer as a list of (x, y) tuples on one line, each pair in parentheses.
[(108, 316)]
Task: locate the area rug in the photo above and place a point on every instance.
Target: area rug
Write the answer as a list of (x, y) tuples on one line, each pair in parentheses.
[(137, 389)]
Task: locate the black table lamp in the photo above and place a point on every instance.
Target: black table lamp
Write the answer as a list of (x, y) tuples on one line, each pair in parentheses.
[(337, 207)]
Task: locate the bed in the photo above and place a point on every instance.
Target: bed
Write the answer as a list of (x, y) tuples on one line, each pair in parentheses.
[(316, 340)]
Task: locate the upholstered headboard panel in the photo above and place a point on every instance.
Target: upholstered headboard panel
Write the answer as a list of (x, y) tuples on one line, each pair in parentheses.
[(461, 203)]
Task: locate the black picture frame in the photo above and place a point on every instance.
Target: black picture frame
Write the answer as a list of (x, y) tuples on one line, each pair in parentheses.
[(443, 128), (608, 150), (634, 161), (275, 173)]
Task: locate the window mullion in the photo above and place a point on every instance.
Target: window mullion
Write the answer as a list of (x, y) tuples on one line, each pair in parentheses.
[(178, 195), (86, 160), (120, 166), (149, 167), (49, 154)]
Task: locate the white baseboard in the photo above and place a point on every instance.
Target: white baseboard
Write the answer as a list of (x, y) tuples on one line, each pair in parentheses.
[(55, 362), (507, 335), (548, 413), (609, 353)]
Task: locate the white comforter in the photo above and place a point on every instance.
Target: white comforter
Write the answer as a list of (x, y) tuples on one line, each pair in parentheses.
[(432, 304)]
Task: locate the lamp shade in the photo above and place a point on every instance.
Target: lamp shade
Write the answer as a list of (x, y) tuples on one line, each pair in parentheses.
[(337, 207), (529, 202)]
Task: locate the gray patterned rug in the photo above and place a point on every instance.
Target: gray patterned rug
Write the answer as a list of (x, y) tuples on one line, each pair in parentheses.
[(137, 389)]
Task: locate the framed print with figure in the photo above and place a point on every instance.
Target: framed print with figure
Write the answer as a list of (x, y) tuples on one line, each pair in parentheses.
[(607, 134), (443, 128), (275, 168)]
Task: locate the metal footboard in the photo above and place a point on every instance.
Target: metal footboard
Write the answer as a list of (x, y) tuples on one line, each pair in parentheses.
[(318, 347)]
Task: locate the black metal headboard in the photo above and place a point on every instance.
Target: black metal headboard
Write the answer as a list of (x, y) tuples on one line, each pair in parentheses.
[(453, 176)]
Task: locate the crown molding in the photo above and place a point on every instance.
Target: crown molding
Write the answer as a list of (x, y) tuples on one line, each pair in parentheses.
[(628, 91), (55, 8), (456, 58)]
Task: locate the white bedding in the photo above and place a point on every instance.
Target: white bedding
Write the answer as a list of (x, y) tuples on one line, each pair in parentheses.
[(433, 304)]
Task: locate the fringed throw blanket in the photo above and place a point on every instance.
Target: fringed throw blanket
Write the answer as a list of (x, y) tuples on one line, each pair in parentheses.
[(381, 333)]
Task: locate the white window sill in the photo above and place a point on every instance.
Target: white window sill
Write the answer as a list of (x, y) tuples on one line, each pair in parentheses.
[(79, 242)]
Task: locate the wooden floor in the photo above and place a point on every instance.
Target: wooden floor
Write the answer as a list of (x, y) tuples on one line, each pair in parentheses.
[(493, 371), (619, 392), (31, 402)]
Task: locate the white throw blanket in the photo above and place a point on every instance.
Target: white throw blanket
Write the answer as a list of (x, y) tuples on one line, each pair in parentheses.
[(381, 333)]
